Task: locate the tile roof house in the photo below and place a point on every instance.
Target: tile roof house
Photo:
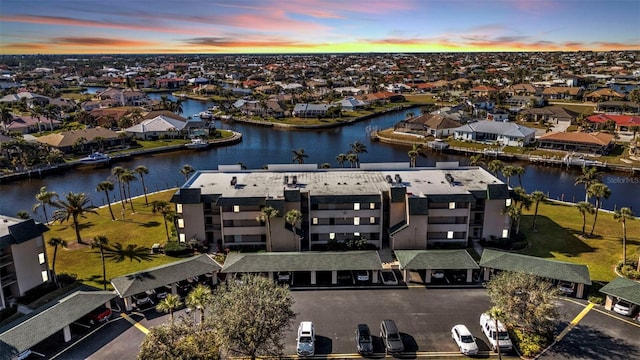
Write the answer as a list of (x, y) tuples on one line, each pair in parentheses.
[(310, 110), (31, 98), (604, 94), (66, 141), (506, 133), (160, 125), (597, 142), (552, 114), (623, 122), (562, 92), (27, 124), (428, 125)]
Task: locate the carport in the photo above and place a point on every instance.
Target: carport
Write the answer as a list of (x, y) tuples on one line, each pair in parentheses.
[(169, 274), (621, 288), (308, 261), (25, 332), (429, 260), (575, 274)]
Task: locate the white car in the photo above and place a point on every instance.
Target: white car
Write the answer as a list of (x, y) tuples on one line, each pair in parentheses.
[(466, 342), (565, 288), (362, 275), (498, 337), (306, 339), (625, 308)]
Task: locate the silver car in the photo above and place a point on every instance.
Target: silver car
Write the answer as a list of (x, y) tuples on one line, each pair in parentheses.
[(465, 341)]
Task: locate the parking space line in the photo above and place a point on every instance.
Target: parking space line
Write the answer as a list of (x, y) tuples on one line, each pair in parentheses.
[(605, 312), (575, 321), (135, 323)]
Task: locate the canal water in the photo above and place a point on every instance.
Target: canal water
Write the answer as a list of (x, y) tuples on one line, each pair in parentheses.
[(261, 146)]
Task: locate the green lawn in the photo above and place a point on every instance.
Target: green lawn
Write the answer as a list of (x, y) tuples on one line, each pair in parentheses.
[(558, 237), (142, 228)]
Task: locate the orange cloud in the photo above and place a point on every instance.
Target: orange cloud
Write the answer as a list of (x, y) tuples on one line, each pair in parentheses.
[(97, 41), (25, 46)]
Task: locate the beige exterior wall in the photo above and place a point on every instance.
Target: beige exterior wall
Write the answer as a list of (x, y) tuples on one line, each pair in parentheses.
[(397, 212), (413, 237), (27, 264), (193, 217), (283, 239), (494, 221)]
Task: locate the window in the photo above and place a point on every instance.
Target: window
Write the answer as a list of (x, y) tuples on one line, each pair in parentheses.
[(182, 238), (356, 206), (181, 223), (505, 233), (41, 258), (356, 221), (315, 221), (449, 234), (45, 275), (332, 236), (508, 202), (372, 220), (452, 205), (179, 208), (236, 208), (372, 206), (356, 234)]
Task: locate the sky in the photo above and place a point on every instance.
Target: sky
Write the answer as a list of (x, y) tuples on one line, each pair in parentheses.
[(316, 26)]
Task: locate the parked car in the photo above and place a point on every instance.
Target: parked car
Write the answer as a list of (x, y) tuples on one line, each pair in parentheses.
[(183, 287), (284, 277), (437, 274), (388, 277), (565, 288), (97, 315), (362, 275), (496, 336), (142, 299), (306, 339), (391, 337), (364, 343), (465, 341), (162, 292), (625, 308)]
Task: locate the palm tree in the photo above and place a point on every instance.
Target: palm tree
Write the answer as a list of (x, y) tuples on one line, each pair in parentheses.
[(100, 242), (585, 207), (358, 148), (169, 304), (599, 191), (622, 216), (6, 117), (73, 206), (51, 111), (508, 172), (127, 177), (44, 198), (341, 158), (55, 242), (187, 170), (199, 298), (413, 154), (294, 218), (163, 208), (299, 155), (265, 216), (106, 186), (519, 171), (589, 177), (36, 111), (498, 315), (117, 172), (22, 214), (352, 158), (476, 160), (141, 171), (515, 213), (536, 196), (495, 166)]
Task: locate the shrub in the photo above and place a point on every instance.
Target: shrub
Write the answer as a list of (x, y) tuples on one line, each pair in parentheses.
[(629, 269), (175, 248), (518, 245), (596, 299), (530, 344)]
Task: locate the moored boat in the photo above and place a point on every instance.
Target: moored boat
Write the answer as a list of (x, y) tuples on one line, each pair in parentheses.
[(197, 144), (95, 158)]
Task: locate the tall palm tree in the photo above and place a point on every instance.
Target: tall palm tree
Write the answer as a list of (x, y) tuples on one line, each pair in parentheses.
[(495, 166), (163, 208), (476, 160), (622, 216), (117, 172), (100, 242), (106, 186), (498, 315), (169, 304), (519, 171), (358, 147), (599, 191), (353, 159), (51, 111), (294, 218), (589, 177), (265, 216), (73, 206), (187, 170), (55, 242), (536, 196), (299, 155), (45, 198), (341, 158), (141, 171), (585, 207), (6, 117), (508, 172), (36, 112), (515, 213), (199, 298), (413, 154), (127, 177)]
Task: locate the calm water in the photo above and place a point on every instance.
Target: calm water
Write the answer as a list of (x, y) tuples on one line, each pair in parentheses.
[(261, 146)]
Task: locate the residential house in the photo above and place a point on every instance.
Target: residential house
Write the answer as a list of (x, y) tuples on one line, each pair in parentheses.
[(505, 133), (23, 258), (498, 115), (31, 99), (428, 125), (622, 122), (594, 142), (483, 90), (516, 103), (97, 138), (27, 124), (351, 104), (604, 94), (159, 126), (521, 90), (562, 93), (381, 97), (550, 114), (617, 106), (407, 208), (305, 110)]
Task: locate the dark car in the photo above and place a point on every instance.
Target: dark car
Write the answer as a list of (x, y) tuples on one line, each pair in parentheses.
[(364, 344), (97, 316), (391, 337)]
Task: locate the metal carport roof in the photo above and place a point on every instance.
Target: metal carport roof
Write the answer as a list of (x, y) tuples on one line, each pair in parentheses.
[(623, 288), (302, 261), (435, 259), (546, 268), (152, 278), (45, 321)]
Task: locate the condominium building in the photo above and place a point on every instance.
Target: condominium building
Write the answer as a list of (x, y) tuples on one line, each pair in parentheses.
[(23, 258), (387, 204)]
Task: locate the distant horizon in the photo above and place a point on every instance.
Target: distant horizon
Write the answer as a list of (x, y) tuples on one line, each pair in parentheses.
[(64, 27)]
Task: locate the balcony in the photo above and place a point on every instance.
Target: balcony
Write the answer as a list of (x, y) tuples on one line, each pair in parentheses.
[(8, 279)]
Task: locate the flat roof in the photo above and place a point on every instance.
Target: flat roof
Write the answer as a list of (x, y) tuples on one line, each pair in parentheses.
[(302, 261), (435, 259), (623, 288), (45, 321), (546, 268), (152, 278)]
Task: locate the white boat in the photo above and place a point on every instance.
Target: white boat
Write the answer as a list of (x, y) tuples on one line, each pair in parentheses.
[(95, 158), (197, 144), (205, 115)]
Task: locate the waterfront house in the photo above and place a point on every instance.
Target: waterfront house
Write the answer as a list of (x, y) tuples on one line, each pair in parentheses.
[(618, 106), (305, 110), (154, 128), (30, 98), (351, 104), (550, 114), (26, 124), (622, 122), (436, 125), (505, 133), (78, 141), (23, 258), (594, 142)]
